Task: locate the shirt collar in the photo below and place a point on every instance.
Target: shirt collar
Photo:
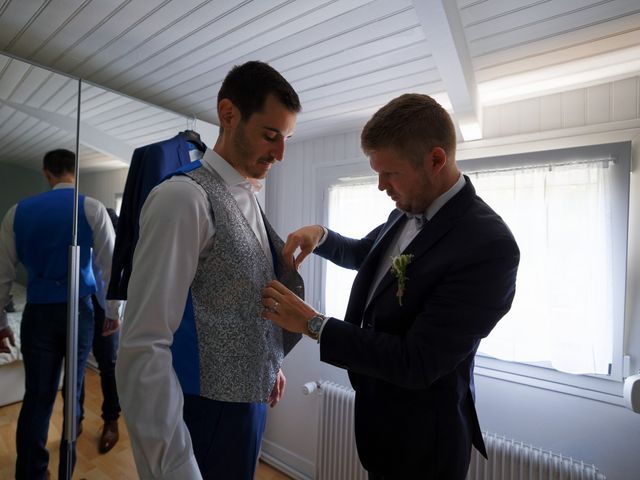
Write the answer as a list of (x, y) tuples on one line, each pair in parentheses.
[(63, 185), (438, 203), (229, 174)]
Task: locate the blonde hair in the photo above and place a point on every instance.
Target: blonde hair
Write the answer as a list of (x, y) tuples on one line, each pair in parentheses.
[(412, 125)]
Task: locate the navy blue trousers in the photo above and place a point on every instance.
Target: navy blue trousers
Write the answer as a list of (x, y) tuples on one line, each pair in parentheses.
[(43, 334), (226, 436), (105, 351)]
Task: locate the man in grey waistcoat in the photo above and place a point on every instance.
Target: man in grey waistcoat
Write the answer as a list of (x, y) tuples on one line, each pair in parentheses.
[(197, 364)]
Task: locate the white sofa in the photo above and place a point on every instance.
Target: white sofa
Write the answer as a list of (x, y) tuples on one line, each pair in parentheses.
[(11, 367)]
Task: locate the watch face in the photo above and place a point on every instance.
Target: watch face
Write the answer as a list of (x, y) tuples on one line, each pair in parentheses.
[(315, 324)]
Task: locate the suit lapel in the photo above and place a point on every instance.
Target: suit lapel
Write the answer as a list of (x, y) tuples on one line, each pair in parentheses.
[(284, 274), (367, 272)]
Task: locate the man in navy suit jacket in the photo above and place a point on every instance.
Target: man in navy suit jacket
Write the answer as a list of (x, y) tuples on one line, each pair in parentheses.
[(409, 338)]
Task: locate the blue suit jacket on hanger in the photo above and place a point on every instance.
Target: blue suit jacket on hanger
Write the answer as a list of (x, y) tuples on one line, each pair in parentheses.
[(149, 165)]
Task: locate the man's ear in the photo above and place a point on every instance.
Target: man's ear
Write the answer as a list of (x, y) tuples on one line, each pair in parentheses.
[(228, 114), (437, 159)]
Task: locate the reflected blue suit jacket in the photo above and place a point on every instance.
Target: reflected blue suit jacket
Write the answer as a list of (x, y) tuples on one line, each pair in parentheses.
[(412, 365)]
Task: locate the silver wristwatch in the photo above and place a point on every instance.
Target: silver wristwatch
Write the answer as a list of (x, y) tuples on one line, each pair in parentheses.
[(314, 324)]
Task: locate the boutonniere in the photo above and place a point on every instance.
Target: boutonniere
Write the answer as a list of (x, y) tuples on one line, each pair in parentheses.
[(399, 265)]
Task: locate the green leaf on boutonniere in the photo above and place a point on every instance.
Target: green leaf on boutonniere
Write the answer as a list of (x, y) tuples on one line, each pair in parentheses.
[(399, 265)]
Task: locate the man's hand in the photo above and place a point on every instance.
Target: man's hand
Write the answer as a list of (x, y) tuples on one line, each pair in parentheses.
[(110, 326), (6, 333), (306, 239), (278, 389), (284, 308)]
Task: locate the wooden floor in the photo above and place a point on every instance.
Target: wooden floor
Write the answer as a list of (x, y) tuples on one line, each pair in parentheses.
[(116, 464)]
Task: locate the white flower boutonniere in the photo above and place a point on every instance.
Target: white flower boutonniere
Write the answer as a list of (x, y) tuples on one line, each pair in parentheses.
[(399, 265)]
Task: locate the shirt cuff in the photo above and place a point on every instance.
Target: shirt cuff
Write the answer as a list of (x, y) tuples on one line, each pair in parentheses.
[(114, 309), (324, 236), (322, 326)]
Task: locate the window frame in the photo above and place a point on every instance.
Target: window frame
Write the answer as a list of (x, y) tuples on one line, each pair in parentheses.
[(603, 388)]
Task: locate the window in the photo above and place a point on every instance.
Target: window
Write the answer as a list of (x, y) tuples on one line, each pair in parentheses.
[(568, 210), (355, 207), (561, 218)]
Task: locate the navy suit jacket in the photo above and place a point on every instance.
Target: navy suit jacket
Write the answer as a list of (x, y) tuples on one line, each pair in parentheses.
[(149, 165), (412, 364)]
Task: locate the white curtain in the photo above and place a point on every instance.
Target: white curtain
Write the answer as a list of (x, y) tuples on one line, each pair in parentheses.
[(354, 210), (562, 311)]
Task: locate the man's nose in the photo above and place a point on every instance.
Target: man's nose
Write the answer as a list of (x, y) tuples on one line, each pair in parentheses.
[(278, 149), (382, 185)]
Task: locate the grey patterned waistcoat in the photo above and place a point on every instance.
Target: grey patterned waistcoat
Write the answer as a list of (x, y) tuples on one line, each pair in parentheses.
[(240, 352)]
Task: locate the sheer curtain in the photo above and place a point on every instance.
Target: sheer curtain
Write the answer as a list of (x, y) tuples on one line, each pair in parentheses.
[(354, 210), (562, 311)]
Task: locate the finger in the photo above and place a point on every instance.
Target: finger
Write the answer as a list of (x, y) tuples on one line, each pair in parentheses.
[(276, 395), (293, 242), (301, 256), (110, 327), (269, 314), (290, 262), (279, 288), (282, 386), (12, 340)]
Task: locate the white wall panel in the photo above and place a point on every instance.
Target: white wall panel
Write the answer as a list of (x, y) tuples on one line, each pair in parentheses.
[(598, 104), (529, 115), (573, 109), (626, 104), (611, 102), (550, 112)]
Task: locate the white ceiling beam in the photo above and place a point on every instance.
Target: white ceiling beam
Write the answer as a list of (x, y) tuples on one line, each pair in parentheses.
[(89, 136), (442, 26)]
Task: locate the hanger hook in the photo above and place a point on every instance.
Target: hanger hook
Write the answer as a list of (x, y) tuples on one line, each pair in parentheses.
[(193, 121)]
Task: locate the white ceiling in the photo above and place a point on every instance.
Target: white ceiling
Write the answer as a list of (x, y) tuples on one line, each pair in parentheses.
[(345, 58)]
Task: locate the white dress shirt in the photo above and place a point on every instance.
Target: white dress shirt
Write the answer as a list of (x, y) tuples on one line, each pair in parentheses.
[(176, 227), (103, 241)]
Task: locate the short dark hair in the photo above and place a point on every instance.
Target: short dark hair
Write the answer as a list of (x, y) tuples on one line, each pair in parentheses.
[(248, 86), (59, 162), (412, 125)]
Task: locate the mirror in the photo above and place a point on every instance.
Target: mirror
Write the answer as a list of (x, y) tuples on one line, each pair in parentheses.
[(38, 113)]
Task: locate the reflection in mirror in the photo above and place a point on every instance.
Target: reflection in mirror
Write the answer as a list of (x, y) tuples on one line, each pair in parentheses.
[(112, 127), (38, 113), (38, 110)]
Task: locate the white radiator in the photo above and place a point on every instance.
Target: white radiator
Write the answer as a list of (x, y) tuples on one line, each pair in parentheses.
[(511, 460), (337, 458)]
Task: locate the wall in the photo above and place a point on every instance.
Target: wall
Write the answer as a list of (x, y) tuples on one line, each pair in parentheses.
[(599, 433), (19, 183), (104, 186)]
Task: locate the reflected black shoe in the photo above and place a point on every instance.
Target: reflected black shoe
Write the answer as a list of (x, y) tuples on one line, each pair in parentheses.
[(109, 436)]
